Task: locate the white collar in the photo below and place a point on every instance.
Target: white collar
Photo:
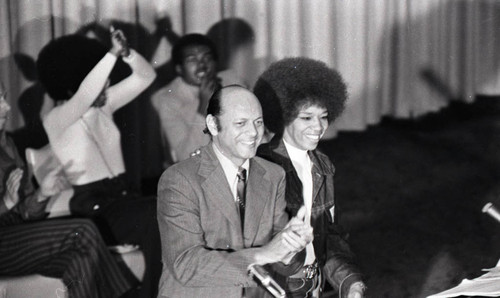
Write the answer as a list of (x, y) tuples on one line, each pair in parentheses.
[(295, 153), (230, 169)]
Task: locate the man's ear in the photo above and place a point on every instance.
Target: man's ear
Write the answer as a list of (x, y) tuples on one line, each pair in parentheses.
[(211, 122)]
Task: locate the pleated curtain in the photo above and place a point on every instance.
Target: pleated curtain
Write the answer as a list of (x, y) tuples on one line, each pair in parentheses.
[(400, 58)]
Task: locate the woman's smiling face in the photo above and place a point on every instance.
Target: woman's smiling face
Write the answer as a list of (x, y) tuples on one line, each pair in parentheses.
[(305, 131)]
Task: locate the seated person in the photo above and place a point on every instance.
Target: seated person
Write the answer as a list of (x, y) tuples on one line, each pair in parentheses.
[(300, 97), (223, 209), (181, 105), (75, 71), (70, 249)]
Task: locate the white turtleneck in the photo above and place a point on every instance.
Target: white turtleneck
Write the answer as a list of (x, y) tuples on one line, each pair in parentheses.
[(303, 165)]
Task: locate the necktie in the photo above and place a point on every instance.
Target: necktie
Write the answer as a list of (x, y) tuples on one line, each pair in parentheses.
[(240, 193)]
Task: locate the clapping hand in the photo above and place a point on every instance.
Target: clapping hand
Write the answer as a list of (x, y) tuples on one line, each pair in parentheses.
[(297, 234), (53, 183), (11, 196), (291, 240)]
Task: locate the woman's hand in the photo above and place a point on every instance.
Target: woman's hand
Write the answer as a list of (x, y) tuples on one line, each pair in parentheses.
[(119, 43), (11, 197), (356, 290)]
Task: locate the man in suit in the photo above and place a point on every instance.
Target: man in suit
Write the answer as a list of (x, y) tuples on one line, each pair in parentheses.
[(207, 246)]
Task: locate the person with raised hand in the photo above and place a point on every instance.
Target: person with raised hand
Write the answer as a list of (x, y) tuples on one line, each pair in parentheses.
[(75, 72)]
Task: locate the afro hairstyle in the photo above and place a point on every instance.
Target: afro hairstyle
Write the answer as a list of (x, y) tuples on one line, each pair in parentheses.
[(64, 62), (193, 39), (292, 83)]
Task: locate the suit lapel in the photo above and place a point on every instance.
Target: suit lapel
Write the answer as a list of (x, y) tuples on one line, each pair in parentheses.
[(258, 191), (216, 187)]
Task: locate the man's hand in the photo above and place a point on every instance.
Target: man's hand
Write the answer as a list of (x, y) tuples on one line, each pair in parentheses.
[(207, 88), (119, 43), (11, 197), (300, 233)]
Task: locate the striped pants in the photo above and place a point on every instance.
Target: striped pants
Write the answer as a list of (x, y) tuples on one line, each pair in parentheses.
[(70, 249)]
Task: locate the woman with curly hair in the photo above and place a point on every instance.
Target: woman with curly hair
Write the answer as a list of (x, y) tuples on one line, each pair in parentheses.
[(75, 71), (300, 97)]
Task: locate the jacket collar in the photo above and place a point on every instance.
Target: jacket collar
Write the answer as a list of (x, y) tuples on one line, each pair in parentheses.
[(319, 165)]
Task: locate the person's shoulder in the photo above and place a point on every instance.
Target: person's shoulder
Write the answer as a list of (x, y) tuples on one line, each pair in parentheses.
[(324, 160), (321, 155), (51, 120), (187, 166), (266, 150), (168, 91), (271, 168), (273, 151), (50, 115)]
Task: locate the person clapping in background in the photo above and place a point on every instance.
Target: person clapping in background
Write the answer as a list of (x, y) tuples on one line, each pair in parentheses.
[(70, 249)]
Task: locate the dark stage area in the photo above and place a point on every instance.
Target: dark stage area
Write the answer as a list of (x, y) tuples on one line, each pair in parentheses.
[(411, 194)]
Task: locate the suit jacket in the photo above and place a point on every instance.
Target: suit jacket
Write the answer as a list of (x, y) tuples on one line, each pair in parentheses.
[(204, 251)]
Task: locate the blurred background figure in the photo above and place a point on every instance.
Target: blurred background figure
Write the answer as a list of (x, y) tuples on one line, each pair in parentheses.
[(299, 98), (70, 249), (137, 121), (182, 104), (75, 72)]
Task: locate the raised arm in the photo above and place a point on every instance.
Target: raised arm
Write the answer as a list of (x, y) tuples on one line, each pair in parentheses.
[(126, 90), (142, 75)]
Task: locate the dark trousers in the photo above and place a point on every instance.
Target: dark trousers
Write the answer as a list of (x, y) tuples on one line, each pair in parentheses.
[(123, 218), (70, 249)]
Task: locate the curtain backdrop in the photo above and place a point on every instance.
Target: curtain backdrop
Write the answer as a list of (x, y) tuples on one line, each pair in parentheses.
[(399, 58)]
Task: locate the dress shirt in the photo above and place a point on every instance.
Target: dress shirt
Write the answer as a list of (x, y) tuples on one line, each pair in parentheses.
[(230, 170)]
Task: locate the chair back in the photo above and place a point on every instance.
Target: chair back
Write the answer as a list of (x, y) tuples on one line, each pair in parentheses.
[(40, 163)]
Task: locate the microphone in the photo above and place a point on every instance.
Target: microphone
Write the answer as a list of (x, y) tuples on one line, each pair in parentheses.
[(492, 211), (266, 280)]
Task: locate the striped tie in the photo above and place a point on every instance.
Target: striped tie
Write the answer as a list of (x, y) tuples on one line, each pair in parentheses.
[(240, 195)]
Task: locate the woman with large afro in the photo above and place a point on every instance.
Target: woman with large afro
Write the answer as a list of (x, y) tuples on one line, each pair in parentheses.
[(75, 71), (300, 97)]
